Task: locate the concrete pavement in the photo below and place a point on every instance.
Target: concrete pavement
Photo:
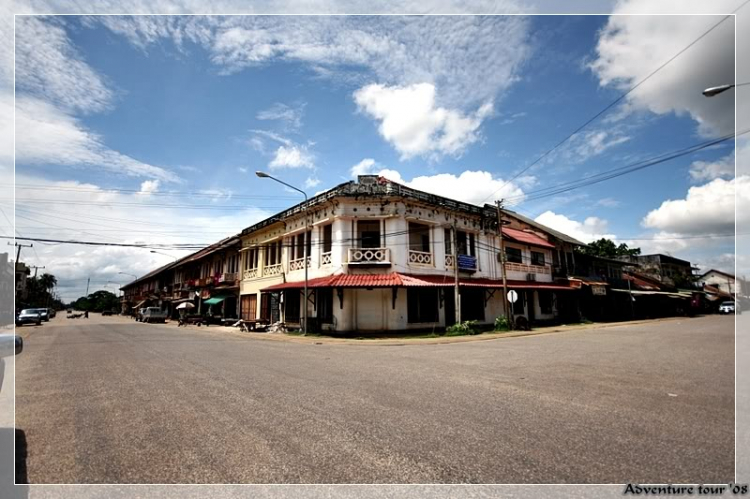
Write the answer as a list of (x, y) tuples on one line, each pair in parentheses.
[(113, 401)]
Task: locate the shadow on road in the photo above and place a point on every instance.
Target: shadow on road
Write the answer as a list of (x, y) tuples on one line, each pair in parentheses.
[(8, 489)]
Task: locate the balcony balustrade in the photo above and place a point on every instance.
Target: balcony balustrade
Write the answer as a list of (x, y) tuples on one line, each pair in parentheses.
[(325, 259), (228, 277), (250, 274), (272, 270), (528, 269), (420, 258), (369, 256), (298, 264)]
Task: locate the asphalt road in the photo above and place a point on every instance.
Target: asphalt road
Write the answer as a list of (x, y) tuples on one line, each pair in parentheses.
[(109, 401)]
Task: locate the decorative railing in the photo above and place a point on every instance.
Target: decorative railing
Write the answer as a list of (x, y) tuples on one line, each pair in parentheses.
[(420, 258), (449, 260), (228, 277), (529, 269), (272, 270), (298, 264), (369, 255), (250, 274), (325, 258)]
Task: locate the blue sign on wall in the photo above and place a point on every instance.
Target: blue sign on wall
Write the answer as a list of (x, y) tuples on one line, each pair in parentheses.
[(467, 262)]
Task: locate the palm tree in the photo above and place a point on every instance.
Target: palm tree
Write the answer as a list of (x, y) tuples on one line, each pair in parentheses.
[(48, 282)]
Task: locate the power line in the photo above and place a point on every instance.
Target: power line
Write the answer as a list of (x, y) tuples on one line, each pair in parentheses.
[(620, 171), (614, 102)]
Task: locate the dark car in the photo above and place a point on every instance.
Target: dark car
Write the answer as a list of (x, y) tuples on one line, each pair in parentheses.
[(107, 312), (29, 316)]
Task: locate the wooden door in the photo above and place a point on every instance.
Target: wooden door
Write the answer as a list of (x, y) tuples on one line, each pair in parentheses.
[(249, 306)]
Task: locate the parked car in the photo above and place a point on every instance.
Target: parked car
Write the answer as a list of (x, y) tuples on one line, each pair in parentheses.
[(154, 314), (728, 307), (44, 313), (52, 313), (29, 316)]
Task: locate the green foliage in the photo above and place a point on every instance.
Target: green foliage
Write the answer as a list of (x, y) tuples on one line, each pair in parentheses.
[(501, 324), (608, 249), (463, 329), (97, 301), (40, 293)]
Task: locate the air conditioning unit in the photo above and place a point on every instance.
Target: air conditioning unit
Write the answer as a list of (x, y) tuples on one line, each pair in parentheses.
[(531, 277)]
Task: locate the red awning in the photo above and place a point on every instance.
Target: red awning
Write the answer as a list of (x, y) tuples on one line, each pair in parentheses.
[(397, 280), (526, 238)]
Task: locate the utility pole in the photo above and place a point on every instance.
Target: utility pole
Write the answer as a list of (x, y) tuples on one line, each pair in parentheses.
[(508, 315), (630, 296), (19, 246), (88, 281), (36, 268), (456, 292)]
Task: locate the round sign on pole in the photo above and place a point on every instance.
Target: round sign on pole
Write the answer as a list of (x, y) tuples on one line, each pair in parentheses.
[(512, 296)]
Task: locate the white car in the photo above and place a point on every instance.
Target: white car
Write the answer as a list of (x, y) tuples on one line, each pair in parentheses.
[(728, 307), (154, 314)]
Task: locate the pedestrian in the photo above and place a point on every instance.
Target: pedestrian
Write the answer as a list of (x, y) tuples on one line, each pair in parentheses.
[(86, 314)]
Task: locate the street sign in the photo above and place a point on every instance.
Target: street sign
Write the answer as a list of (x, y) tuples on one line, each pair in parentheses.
[(512, 296)]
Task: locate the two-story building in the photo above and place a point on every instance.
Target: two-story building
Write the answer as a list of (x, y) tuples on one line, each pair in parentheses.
[(383, 257)]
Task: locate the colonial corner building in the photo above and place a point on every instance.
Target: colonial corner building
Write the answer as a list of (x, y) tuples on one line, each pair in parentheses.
[(385, 257)]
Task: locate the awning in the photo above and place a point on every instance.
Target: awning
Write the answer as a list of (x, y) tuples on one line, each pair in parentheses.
[(214, 301), (653, 293), (398, 280), (140, 304), (526, 238), (181, 300)]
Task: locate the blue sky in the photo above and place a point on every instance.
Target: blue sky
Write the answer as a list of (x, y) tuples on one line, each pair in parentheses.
[(181, 111)]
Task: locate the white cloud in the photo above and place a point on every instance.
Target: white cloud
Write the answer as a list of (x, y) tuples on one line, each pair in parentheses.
[(476, 187), (412, 122), (149, 186), (242, 169), (292, 157), (591, 229), (85, 211), (630, 47), (47, 135), (48, 66), (608, 203), (311, 182), (707, 209), (291, 117), (709, 170), (364, 167)]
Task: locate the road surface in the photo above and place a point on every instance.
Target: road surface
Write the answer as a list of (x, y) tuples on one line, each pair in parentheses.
[(112, 401)]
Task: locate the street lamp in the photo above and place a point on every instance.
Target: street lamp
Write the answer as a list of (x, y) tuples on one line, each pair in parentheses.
[(304, 245), (125, 273), (710, 92), (160, 253)]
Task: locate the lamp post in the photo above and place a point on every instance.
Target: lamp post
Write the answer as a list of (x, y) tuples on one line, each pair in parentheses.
[(160, 253), (304, 247), (710, 92)]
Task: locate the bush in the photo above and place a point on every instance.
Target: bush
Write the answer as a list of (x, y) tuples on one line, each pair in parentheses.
[(463, 329), (501, 324)]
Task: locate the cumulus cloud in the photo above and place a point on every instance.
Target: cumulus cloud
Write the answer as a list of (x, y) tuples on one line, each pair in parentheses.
[(476, 187), (630, 47), (149, 186), (364, 167), (41, 211), (707, 209), (591, 229), (49, 136), (413, 123), (709, 170)]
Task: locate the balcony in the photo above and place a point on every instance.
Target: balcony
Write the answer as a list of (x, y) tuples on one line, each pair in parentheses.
[(228, 277), (420, 258), (369, 256), (272, 270), (466, 263), (527, 269), (250, 274), (298, 264), (325, 259)]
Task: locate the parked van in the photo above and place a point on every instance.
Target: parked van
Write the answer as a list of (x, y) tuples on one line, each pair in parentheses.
[(154, 314)]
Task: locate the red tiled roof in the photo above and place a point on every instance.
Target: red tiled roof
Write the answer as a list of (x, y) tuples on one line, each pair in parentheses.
[(526, 237), (396, 279)]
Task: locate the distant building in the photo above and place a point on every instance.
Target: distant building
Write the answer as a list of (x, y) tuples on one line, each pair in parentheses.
[(723, 281), (22, 272), (667, 269)]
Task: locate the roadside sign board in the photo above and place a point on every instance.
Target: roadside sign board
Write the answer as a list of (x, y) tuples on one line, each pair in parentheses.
[(512, 296)]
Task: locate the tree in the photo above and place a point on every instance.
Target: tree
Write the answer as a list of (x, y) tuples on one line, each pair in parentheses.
[(97, 301), (608, 249)]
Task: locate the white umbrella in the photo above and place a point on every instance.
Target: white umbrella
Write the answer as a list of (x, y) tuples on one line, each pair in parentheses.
[(185, 305)]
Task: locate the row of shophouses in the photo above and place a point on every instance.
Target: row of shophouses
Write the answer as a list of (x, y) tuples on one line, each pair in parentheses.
[(385, 257)]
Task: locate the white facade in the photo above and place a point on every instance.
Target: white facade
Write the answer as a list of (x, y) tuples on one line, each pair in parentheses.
[(721, 280), (386, 234)]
